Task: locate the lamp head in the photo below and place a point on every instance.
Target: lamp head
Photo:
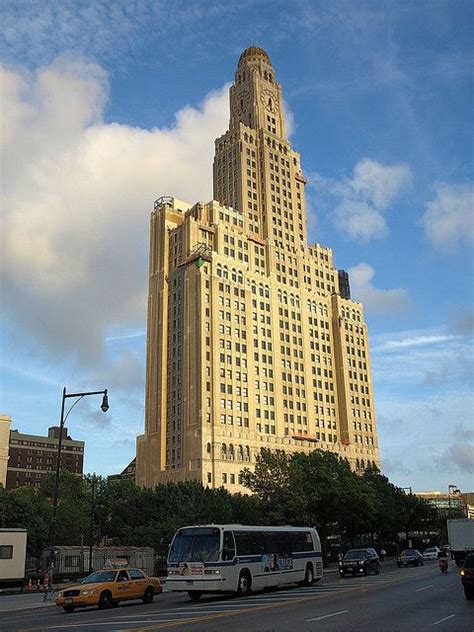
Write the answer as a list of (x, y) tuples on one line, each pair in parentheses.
[(105, 402)]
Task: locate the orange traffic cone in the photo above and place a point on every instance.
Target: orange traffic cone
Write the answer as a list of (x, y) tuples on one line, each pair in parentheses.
[(29, 585)]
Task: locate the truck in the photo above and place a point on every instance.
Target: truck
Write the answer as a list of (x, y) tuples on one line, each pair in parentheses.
[(12, 557), (461, 538)]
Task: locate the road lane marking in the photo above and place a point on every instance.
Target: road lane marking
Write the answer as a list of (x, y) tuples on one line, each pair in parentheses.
[(349, 588), (450, 616), (326, 616), (424, 588)]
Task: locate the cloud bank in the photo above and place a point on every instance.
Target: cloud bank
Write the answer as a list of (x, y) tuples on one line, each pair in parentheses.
[(77, 193), (380, 301), (364, 198), (448, 219)]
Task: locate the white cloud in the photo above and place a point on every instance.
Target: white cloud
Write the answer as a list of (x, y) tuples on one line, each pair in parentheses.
[(449, 218), (415, 341), (424, 357), (76, 199), (374, 299), (359, 220), (365, 197), (379, 184)]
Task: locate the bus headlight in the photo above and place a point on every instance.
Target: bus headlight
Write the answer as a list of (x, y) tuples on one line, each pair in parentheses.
[(211, 571)]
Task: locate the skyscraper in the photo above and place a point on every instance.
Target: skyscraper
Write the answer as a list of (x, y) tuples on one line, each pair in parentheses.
[(253, 340)]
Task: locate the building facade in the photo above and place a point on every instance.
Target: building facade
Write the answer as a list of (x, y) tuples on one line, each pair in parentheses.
[(253, 341), (5, 421), (128, 472), (33, 457)]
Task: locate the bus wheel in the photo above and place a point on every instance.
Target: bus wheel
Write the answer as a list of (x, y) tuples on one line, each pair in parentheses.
[(194, 595), (308, 576), (245, 584)]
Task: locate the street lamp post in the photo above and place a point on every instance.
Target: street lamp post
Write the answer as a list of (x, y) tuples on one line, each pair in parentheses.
[(91, 526), (52, 527)]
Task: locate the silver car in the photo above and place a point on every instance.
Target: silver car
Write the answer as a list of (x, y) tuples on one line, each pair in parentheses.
[(432, 553)]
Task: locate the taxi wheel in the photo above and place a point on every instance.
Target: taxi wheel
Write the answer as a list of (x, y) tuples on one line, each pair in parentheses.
[(148, 596), (105, 600), (68, 608)]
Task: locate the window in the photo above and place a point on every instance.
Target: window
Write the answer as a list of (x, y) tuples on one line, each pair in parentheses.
[(136, 574), (6, 552)]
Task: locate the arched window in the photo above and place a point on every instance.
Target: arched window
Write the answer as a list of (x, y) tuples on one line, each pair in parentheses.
[(240, 453), (247, 453), (224, 451), (231, 452)]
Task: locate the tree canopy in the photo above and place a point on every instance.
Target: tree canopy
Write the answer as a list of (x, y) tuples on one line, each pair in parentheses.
[(317, 489)]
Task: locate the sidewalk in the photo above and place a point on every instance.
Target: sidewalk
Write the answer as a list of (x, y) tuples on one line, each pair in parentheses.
[(23, 601)]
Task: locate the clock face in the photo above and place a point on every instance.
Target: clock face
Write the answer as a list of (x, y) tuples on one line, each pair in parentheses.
[(241, 102), (269, 101)]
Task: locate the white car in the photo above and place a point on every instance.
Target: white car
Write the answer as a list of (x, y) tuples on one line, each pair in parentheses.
[(432, 553)]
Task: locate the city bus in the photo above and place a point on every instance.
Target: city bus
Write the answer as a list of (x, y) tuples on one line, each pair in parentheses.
[(238, 558)]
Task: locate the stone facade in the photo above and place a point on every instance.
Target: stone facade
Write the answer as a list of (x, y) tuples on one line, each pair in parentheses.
[(253, 340), (5, 421)]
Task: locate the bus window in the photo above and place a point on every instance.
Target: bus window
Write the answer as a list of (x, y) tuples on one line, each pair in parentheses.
[(301, 541), (249, 542), (228, 550)]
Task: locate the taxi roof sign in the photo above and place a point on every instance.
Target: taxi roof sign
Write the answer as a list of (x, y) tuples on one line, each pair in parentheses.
[(117, 563)]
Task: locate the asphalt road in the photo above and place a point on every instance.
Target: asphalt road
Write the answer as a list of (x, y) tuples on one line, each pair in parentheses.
[(397, 600)]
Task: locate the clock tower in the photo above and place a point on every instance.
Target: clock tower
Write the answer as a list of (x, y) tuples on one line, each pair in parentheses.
[(256, 97)]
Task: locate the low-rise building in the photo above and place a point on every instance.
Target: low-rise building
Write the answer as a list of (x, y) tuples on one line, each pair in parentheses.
[(442, 501), (128, 472), (32, 457)]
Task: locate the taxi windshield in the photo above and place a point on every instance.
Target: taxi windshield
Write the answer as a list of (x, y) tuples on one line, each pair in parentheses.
[(99, 576), (198, 544)]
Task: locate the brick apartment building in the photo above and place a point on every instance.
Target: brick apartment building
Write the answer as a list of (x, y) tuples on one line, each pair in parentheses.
[(32, 457)]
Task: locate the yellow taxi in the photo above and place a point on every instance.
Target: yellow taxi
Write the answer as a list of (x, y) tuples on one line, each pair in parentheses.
[(106, 588)]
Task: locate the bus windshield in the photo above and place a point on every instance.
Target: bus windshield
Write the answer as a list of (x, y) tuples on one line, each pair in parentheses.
[(197, 544)]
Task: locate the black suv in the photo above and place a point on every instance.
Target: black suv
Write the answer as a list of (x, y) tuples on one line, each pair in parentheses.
[(359, 562), (467, 576), (410, 557)]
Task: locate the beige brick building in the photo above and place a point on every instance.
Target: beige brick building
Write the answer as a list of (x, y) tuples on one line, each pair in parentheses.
[(253, 340), (5, 422)]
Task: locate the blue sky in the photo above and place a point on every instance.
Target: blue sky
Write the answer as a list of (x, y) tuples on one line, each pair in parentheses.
[(109, 105)]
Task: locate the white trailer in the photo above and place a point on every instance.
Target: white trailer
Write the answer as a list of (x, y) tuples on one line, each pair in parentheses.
[(12, 557), (461, 538)]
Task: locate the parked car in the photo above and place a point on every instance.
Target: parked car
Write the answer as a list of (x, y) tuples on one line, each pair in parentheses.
[(108, 587), (359, 562), (433, 553), (410, 557), (467, 576)]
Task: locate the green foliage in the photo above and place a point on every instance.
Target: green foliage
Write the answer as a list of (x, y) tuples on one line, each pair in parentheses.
[(320, 489), (317, 489)]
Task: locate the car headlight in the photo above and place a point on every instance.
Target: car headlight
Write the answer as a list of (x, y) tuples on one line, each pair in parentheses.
[(210, 571), (361, 562), (60, 594), (87, 592), (462, 573)]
